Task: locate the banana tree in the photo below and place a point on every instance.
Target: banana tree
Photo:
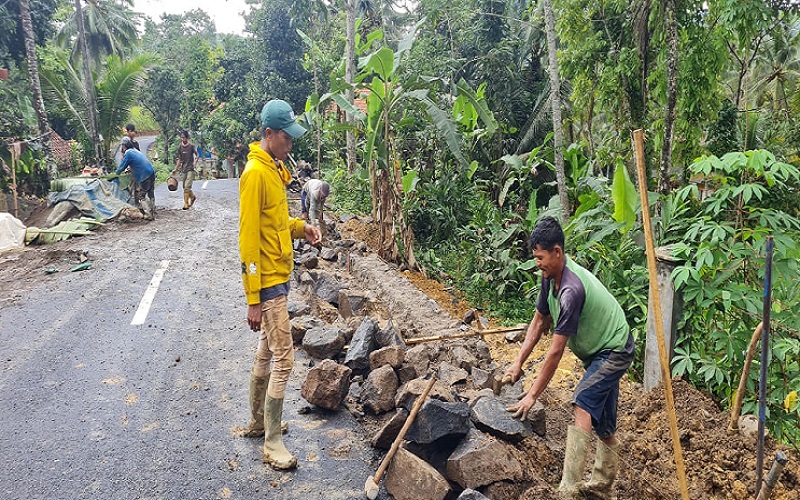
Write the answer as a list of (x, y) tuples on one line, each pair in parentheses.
[(390, 102)]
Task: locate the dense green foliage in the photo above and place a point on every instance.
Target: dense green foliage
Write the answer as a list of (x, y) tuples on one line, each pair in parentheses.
[(12, 47), (471, 224), (719, 227)]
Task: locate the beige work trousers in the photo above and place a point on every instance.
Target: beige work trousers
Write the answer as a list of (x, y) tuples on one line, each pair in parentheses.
[(275, 354), (186, 178)]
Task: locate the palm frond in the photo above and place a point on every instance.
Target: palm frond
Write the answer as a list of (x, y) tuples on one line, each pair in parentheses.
[(539, 123), (110, 27), (65, 90), (118, 92)]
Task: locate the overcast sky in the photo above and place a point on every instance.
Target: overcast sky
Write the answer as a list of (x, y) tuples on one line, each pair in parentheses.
[(225, 13)]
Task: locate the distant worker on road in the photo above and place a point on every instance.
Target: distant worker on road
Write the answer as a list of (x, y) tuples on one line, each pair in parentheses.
[(130, 131), (591, 322), (312, 199), (144, 176), (265, 246), (184, 166)]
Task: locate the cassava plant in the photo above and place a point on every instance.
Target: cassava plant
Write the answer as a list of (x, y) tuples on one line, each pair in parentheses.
[(718, 226)]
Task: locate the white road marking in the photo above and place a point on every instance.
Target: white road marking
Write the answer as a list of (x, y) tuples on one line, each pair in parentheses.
[(149, 294), (205, 184)]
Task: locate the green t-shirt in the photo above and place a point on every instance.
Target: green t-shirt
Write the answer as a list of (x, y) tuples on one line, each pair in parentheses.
[(584, 310)]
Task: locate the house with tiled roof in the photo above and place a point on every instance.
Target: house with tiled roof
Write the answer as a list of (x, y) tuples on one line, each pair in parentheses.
[(359, 101), (62, 151)]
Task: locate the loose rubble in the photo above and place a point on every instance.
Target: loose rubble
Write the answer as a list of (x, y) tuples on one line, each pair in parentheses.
[(462, 441)]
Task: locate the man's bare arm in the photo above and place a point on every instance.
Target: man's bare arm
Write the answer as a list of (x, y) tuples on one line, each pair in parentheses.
[(538, 326)]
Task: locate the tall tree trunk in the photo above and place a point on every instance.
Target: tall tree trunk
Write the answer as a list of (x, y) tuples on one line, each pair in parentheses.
[(88, 82), (349, 76), (672, 94), (36, 87), (316, 91), (555, 100)]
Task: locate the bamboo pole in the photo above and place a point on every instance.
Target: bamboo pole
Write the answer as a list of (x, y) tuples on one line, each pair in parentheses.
[(638, 142), (495, 331), (762, 380), (14, 180)]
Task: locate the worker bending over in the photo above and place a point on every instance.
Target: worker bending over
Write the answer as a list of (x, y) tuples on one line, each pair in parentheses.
[(591, 322)]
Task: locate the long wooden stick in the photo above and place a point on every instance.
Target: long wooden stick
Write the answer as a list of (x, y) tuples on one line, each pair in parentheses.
[(638, 142), (402, 434), (774, 474), (494, 331)]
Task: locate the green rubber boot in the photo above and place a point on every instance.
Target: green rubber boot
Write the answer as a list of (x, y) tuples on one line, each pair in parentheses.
[(150, 209), (258, 391), (606, 465), (274, 453), (574, 463)]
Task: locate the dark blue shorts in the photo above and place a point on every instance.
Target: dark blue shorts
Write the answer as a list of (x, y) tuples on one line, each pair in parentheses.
[(598, 390)]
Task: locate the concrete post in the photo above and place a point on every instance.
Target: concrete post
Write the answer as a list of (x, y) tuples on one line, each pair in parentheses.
[(671, 310)]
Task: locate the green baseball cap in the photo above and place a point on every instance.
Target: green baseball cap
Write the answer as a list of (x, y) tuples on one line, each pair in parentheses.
[(278, 115)]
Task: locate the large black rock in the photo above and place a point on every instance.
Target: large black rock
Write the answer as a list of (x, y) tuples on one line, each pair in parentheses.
[(437, 419)]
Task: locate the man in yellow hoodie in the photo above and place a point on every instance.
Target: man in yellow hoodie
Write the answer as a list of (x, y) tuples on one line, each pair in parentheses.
[(265, 246)]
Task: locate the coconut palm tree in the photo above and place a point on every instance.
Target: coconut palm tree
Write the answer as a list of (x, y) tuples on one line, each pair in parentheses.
[(88, 83), (555, 100), (36, 87), (777, 67), (117, 92), (349, 75), (671, 29), (110, 28)]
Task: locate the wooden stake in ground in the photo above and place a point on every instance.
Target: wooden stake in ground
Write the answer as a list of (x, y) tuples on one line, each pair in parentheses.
[(733, 426), (15, 148), (638, 143)]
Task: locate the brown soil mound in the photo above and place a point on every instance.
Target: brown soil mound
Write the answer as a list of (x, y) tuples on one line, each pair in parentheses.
[(445, 297), (718, 465), (368, 233)]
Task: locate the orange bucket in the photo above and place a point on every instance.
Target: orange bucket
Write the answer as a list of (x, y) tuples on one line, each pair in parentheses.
[(172, 184)]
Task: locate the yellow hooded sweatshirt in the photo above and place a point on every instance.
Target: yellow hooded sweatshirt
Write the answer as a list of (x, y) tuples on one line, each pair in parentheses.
[(265, 229)]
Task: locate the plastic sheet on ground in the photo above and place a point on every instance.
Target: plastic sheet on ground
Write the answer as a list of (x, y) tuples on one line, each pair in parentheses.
[(62, 231), (99, 199), (12, 232)]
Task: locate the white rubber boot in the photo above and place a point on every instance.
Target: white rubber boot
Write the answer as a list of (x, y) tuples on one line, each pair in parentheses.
[(274, 453)]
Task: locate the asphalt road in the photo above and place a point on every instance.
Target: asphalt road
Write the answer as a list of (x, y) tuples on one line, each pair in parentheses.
[(92, 406)]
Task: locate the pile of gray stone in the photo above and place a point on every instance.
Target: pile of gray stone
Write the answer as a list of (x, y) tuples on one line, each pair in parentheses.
[(462, 444)]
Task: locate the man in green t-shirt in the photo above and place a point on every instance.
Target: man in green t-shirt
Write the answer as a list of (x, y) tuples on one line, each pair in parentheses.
[(590, 321)]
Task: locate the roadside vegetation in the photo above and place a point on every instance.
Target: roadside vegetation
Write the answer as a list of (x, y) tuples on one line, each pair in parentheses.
[(440, 127)]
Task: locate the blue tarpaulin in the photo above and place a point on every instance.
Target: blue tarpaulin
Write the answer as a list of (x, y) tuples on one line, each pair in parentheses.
[(100, 199)]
